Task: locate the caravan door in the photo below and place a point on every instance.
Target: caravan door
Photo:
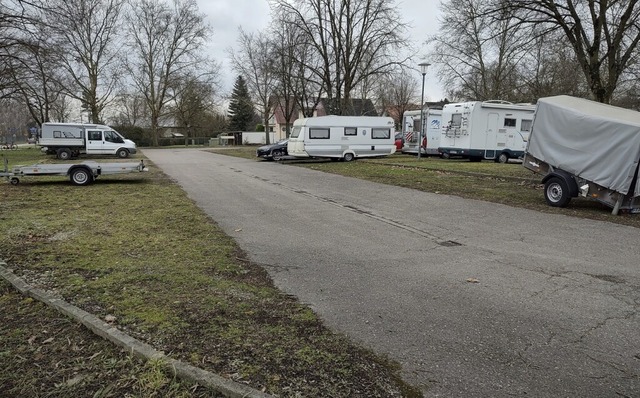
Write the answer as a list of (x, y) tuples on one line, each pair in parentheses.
[(491, 139)]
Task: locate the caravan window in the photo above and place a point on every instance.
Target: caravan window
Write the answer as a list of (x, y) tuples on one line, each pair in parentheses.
[(525, 125), (456, 120), (295, 132), (318, 133), (350, 131), (380, 134), (509, 122)]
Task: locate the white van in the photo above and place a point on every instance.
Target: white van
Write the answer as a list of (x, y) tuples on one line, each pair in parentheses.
[(496, 130), (342, 137), (67, 140), (411, 125)]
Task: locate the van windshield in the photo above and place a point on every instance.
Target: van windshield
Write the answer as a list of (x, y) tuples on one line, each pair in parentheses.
[(296, 132)]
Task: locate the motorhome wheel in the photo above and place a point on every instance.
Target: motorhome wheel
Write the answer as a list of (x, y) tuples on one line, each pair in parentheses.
[(503, 158), (556, 192)]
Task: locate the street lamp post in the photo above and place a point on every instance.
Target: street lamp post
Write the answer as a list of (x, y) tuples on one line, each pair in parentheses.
[(423, 69)]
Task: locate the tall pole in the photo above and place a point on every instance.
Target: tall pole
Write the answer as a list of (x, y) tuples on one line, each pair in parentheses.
[(423, 70)]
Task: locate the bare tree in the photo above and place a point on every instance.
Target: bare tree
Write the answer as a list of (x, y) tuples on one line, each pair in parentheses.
[(397, 93), (87, 33), (477, 54), (255, 61), (165, 44), (355, 39), (603, 34), (193, 103)]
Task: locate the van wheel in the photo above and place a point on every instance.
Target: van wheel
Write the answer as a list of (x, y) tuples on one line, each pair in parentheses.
[(503, 158), (80, 176), (64, 154), (122, 153), (348, 157), (556, 192)]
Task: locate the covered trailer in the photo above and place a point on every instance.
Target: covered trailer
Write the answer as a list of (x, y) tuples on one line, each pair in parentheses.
[(586, 148)]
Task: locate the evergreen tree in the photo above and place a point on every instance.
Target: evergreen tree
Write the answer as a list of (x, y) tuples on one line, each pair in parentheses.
[(241, 113)]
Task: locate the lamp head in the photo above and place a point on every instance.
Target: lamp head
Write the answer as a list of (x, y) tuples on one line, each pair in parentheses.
[(423, 67)]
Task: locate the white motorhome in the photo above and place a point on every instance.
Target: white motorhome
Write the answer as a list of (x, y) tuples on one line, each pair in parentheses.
[(342, 137), (496, 130), (67, 140), (411, 129)]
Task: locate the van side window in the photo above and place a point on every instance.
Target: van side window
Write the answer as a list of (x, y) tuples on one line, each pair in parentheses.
[(350, 131), (319, 133), (94, 135), (525, 125), (380, 134), (509, 122)]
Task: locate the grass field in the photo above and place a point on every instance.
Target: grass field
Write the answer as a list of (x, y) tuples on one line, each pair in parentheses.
[(133, 247)]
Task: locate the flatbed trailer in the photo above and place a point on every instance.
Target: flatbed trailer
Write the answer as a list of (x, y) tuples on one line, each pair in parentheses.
[(79, 173)]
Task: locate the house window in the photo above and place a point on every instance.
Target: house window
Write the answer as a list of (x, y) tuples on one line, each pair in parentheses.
[(525, 125), (320, 134), (380, 134), (508, 122), (350, 131)]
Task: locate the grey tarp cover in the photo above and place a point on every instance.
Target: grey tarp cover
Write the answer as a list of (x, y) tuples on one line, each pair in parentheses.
[(595, 141)]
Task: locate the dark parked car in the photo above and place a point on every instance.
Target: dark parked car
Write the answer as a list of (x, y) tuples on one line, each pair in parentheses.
[(274, 151)]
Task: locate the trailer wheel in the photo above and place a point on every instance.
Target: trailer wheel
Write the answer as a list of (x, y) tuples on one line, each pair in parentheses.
[(122, 153), (348, 157), (64, 154), (14, 181), (503, 158), (81, 176), (556, 192)]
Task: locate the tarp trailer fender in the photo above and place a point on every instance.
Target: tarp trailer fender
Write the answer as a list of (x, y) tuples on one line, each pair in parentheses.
[(79, 173)]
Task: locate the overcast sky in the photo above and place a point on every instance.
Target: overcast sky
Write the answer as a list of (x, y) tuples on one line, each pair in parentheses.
[(225, 16)]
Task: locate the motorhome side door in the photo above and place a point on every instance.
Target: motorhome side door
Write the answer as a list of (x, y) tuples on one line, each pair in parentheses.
[(95, 142), (492, 136)]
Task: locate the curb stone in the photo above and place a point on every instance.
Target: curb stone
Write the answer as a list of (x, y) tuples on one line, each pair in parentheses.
[(228, 388)]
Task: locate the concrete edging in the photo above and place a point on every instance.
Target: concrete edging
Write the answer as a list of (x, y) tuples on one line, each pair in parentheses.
[(228, 388)]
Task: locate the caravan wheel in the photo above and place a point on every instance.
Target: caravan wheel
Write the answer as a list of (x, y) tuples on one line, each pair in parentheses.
[(503, 158), (348, 157)]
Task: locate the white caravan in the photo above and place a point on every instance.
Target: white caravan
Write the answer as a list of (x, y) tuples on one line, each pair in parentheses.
[(411, 130), (342, 137), (67, 140), (496, 130)]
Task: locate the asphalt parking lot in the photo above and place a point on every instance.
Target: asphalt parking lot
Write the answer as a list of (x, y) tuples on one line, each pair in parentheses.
[(471, 298)]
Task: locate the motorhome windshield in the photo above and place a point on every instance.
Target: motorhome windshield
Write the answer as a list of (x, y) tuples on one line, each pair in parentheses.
[(296, 132)]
